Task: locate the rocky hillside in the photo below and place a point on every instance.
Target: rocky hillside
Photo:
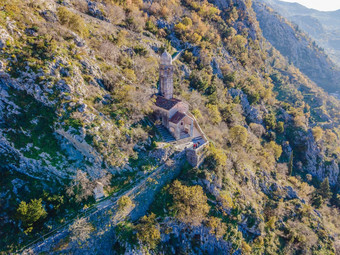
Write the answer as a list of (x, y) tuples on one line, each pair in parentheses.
[(297, 46), (77, 81), (322, 26)]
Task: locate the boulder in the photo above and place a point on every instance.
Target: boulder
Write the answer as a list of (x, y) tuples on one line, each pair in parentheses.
[(95, 11), (49, 16)]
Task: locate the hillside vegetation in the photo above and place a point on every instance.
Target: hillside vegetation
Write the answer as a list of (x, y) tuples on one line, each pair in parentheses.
[(77, 82)]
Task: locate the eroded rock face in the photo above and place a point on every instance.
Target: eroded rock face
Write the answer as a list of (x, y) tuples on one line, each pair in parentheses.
[(209, 244), (252, 113), (311, 159)]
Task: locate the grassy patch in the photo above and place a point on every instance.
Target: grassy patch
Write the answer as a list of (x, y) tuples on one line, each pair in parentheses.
[(33, 126)]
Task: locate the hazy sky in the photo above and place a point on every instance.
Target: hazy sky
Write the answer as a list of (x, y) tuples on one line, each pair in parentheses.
[(322, 5)]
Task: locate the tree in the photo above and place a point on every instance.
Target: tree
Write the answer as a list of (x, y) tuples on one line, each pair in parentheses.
[(148, 231), (280, 127), (275, 148), (214, 113), (290, 164), (317, 201), (80, 187), (31, 212), (325, 190), (189, 203), (217, 157), (270, 121), (81, 230), (238, 135), (200, 80), (317, 133), (124, 203), (257, 129), (217, 227)]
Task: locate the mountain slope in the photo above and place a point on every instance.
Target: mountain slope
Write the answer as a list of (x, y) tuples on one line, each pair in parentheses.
[(298, 48), (322, 26), (77, 82)]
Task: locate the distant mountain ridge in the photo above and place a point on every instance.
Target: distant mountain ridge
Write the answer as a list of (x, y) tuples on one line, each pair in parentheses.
[(297, 46), (322, 26)]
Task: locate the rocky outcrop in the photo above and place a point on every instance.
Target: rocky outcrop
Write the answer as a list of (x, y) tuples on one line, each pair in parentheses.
[(95, 11), (180, 240), (252, 113), (309, 158), (4, 38)]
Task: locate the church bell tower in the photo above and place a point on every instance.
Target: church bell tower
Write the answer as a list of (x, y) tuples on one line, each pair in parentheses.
[(166, 71)]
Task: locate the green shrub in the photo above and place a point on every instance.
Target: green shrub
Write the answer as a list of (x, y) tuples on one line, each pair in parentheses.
[(30, 213), (280, 127), (72, 21), (217, 157), (214, 113), (187, 21), (140, 50), (275, 148), (270, 121), (151, 27)]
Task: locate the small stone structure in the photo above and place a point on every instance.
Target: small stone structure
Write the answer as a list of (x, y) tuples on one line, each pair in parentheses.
[(174, 114), (99, 191)]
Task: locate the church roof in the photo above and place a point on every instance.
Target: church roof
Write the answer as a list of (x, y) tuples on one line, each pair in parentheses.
[(166, 104), (177, 117)]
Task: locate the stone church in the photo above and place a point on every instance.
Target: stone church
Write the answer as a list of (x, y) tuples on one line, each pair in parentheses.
[(172, 112), (174, 115)]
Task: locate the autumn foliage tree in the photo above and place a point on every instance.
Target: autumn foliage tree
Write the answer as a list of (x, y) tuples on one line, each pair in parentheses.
[(148, 231), (238, 135), (80, 187), (81, 230), (189, 203), (317, 133)]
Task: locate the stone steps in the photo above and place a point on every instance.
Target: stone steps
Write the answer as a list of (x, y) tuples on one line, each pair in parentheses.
[(197, 138), (166, 135)]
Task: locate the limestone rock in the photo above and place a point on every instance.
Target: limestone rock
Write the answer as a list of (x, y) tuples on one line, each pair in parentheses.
[(252, 113), (4, 37), (49, 16), (95, 11)]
